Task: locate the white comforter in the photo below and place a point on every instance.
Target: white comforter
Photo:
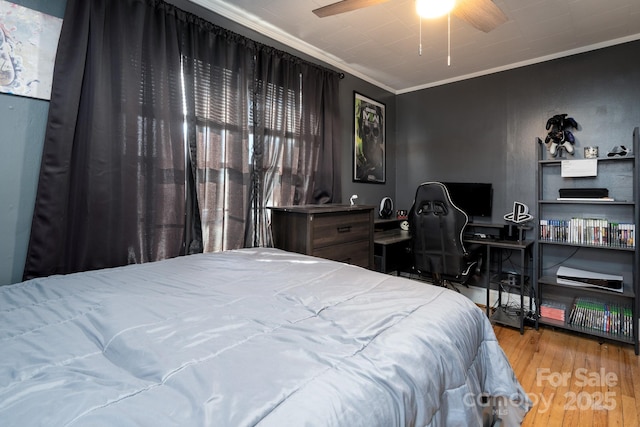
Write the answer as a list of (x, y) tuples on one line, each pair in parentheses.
[(242, 338)]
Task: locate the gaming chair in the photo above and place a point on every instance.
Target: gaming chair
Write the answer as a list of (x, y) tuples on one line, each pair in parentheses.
[(437, 227)]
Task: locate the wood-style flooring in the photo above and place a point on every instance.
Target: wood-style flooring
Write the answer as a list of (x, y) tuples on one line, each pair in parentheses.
[(574, 380)]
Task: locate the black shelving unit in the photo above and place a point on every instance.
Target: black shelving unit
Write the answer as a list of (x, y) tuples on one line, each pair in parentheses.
[(599, 310)]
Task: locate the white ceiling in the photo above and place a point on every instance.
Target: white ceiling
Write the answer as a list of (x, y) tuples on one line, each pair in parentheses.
[(380, 44)]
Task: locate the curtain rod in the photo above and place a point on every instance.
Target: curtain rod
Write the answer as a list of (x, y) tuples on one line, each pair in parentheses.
[(217, 29)]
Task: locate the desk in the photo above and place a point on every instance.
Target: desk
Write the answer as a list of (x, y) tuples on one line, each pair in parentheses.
[(389, 248), (523, 247)]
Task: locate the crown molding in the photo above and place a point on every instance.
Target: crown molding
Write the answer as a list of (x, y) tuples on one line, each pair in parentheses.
[(257, 24), (520, 64)]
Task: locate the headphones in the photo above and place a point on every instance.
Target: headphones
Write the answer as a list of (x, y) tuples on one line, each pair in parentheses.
[(386, 208)]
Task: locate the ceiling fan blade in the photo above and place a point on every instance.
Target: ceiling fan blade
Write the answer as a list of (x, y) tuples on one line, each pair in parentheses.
[(482, 14), (345, 6)]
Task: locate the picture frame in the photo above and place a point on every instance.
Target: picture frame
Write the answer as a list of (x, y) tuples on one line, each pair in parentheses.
[(28, 46), (369, 140)]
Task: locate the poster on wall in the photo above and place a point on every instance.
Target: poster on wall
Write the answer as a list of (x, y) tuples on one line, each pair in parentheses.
[(369, 140), (28, 45)]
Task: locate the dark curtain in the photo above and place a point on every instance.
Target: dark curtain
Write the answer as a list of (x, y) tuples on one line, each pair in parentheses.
[(168, 135), (112, 180), (321, 128), (276, 125), (218, 74), (294, 135)]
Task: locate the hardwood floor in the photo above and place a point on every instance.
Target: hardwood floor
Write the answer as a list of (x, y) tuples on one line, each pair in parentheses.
[(574, 380)]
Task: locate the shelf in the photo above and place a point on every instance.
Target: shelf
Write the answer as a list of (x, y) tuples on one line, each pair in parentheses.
[(582, 245), (509, 287), (587, 202), (553, 322), (514, 317), (568, 302), (558, 161), (485, 225), (589, 331), (502, 317), (590, 303)]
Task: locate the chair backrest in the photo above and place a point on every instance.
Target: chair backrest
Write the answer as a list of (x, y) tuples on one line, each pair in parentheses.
[(437, 227)]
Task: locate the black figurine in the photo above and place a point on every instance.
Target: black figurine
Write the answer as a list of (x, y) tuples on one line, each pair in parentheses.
[(559, 136)]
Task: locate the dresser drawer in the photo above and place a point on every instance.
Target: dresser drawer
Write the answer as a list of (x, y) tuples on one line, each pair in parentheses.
[(336, 232), (340, 228), (356, 253)]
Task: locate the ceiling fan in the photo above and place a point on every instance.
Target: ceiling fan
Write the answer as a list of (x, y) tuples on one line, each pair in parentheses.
[(481, 14)]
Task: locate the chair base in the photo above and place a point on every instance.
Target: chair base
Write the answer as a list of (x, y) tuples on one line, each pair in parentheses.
[(439, 281), (449, 285), (436, 279)]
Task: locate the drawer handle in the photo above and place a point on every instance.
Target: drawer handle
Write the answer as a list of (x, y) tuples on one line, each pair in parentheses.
[(344, 229)]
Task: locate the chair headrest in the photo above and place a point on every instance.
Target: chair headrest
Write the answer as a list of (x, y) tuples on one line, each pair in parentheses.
[(436, 207)]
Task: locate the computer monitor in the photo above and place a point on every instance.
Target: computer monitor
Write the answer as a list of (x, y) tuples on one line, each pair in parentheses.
[(475, 198)]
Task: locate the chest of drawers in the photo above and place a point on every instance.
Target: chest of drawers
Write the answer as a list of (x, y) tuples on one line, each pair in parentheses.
[(337, 232)]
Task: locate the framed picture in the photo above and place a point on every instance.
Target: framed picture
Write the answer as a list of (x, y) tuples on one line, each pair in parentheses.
[(369, 134), (28, 45)]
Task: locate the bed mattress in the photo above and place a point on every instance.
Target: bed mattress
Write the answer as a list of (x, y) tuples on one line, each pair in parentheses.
[(252, 337)]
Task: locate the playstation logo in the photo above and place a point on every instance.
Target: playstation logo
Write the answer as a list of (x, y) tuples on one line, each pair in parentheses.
[(519, 214)]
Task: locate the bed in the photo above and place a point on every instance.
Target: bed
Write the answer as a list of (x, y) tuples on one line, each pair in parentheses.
[(251, 337)]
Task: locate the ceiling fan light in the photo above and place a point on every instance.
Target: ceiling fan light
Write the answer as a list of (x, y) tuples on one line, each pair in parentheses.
[(434, 8)]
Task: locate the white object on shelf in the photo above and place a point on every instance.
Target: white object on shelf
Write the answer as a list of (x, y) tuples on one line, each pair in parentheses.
[(578, 168), (576, 277)]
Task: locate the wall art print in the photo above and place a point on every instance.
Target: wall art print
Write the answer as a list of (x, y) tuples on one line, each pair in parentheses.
[(28, 45), (369, 140)]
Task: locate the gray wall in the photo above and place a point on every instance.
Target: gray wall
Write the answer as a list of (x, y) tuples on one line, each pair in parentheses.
[(481, 129), (22, 121), (484, 129)]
